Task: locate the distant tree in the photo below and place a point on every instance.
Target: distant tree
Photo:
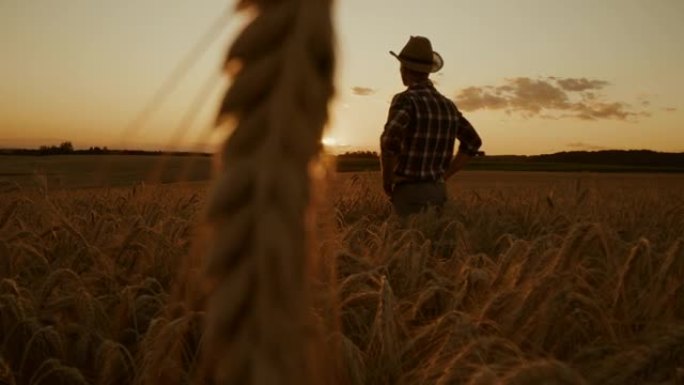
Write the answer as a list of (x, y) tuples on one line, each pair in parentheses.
[(359, 154), (63, 148), (48, 150), (66, 148)]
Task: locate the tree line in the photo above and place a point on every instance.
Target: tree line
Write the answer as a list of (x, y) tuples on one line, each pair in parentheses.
[(371, 159), (67, 148)]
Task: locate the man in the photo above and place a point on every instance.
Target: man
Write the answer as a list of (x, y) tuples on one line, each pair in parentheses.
[(417, 144)]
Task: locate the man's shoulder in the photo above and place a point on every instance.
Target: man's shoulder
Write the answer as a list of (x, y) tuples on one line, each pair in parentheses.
[(401, 97), (410, 94), (449, 101)]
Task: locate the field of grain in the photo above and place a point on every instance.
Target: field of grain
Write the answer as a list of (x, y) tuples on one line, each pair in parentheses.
[(525, 278), (67, 171)]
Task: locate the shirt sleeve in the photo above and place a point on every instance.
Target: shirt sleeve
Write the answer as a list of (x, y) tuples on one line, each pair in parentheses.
[(466, 134), (398, 121)]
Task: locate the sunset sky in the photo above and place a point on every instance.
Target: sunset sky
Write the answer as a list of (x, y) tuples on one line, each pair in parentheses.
[(533, 76)]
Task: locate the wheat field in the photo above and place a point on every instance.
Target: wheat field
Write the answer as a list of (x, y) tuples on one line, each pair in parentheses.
[(525, 278), (266, 278)]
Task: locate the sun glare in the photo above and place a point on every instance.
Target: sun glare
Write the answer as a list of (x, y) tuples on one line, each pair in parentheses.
[(329, 141)]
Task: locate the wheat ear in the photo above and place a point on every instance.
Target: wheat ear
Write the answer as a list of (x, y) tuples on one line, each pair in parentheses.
[(282, 69)]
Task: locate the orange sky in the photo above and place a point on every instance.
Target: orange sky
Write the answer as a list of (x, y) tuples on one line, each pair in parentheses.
[(533, 76)]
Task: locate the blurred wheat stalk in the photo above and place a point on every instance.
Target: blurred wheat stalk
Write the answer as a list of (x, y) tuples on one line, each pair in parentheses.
[(282, 68)]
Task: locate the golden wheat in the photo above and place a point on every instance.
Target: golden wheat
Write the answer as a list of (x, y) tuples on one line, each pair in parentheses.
[(113, 364), (171, 350), (53, 372), (498, 290)]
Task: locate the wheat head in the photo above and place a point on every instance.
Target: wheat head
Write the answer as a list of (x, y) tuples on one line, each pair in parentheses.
[(282, 67)]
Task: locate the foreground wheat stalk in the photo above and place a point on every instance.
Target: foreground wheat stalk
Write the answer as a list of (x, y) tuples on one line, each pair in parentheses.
[(282, 66)]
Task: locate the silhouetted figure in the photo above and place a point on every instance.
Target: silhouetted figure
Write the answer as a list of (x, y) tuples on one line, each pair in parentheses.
[(417, 144)]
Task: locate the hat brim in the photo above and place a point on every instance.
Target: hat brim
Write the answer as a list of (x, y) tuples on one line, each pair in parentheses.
[(436, 65)]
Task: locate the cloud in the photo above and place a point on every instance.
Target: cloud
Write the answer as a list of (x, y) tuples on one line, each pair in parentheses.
[(532, 96), (604, 110), (548, 98), (476, 98), (581, 84), (362, 91), (670, 109), (585, 146)]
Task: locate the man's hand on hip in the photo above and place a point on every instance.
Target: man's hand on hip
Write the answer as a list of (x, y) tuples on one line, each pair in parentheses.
[(457, 163), (388, 164), (388, 186)]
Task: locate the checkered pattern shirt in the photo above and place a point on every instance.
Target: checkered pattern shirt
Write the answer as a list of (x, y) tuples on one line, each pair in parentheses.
[(421, 129)]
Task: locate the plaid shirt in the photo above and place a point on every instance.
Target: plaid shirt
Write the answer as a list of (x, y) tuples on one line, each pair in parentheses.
[(421, 129)]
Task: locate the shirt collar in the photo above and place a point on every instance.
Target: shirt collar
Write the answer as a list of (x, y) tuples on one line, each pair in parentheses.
[(427, 83)]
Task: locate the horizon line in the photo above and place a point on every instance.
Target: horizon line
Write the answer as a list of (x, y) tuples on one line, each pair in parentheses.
[(356, 149)]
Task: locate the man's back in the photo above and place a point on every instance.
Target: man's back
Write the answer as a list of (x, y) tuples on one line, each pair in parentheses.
[(421, 130)]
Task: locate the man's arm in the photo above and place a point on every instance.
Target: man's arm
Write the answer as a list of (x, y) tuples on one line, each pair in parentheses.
[(391, 140), (470, 143), (388, 164), (459, 161)]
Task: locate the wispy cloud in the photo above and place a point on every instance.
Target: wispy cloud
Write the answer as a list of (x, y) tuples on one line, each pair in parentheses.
[(362, 91), (585, 146), (579, 85), (670, 109), (548, 98)]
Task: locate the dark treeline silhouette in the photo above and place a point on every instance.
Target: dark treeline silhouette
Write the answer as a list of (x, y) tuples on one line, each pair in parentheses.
[(620, 158), (606, 160), (645, 158), (358, 155), (63, 148), (67, 148)]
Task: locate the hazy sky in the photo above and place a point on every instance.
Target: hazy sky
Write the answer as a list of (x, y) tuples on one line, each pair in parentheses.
[(533, 76)]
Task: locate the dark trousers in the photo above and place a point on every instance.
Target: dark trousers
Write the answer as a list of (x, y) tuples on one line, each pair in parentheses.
[(413, 197)]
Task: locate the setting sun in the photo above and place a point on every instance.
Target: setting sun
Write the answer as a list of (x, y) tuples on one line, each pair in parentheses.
[(329, 141)]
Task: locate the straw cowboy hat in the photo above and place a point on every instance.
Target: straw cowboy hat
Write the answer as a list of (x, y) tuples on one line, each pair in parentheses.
[(418, 55)]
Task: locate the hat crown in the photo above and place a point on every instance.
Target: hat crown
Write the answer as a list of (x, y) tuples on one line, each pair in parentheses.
[(419, 49), (417, 55)]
